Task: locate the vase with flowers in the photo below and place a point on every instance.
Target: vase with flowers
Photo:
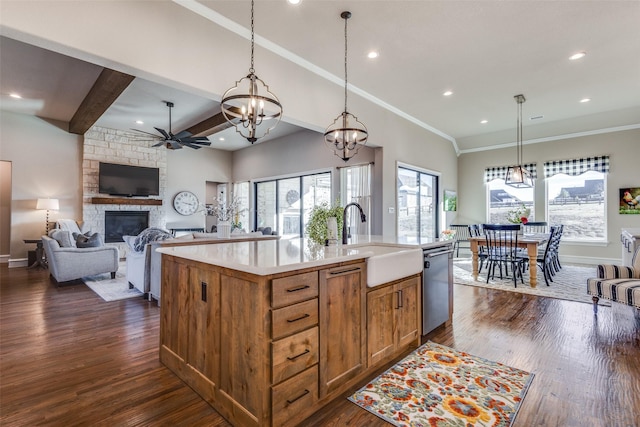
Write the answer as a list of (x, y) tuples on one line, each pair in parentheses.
[(519, 215), (225, 211)]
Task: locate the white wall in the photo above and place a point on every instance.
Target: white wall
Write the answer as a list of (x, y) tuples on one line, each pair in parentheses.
[(46, 162), (624, 151)]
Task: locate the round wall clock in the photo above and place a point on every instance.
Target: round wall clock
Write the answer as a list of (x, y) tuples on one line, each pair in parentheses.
[(292, 197), (185, 203)]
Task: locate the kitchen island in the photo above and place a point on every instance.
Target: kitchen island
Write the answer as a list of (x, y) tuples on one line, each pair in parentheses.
[(268, 332)]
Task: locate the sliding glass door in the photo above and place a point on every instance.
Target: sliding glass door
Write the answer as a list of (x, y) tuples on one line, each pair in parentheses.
[(417, 204)]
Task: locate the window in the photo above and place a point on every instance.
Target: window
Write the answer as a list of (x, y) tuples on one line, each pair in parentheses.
[(417, 204), (284, 204), (241, 192), (355, 186), (576, 197), (502, 198)]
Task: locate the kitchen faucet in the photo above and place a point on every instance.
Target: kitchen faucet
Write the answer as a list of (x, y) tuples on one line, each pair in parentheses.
[(363, 218)]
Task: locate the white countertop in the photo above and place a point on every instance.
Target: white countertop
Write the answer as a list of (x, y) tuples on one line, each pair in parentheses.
[(278, 256)]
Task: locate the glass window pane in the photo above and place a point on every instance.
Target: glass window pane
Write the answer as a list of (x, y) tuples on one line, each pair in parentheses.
[(355, 185), (241, 193), (578, 203), (408, 193), (266, 205), (505, 198), (316, 190), (289, 206), (427, 212)]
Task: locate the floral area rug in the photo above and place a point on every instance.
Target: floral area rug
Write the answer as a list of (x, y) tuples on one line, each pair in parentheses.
[(570, 283), (439, 386), (112, 289)]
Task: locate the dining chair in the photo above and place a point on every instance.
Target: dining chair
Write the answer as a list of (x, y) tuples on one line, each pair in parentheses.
[(461, 238), (535, 227), (545, 259), (475, 230), (555, 248), (502, 250)]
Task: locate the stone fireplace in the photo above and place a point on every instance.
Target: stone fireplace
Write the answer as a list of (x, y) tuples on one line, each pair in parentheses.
[(124, 223), (115, 146)]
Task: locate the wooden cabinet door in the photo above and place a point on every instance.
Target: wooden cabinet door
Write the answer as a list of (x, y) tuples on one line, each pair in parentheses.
[(408, 311), (381, 313), (174, 325), (204, 327), (342, 325)]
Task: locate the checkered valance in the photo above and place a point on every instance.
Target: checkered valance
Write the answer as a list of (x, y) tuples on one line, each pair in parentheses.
[(499, 172), (577, 167)]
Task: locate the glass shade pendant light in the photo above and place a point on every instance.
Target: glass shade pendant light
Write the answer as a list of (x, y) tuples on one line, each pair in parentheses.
[(517, 176), (249, 106), (346, 134)]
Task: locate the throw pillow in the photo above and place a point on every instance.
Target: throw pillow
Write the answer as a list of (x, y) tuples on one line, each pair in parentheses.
[(150, 235), (88, 240), (63, 237)]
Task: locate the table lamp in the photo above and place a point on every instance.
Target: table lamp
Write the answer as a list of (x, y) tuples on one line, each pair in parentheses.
[(47, 204)]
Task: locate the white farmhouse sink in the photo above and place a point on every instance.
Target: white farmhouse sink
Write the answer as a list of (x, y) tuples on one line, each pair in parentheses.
[(388, 263)]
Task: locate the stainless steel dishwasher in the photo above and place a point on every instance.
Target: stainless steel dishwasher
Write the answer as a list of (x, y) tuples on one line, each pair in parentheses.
[(438, 264)]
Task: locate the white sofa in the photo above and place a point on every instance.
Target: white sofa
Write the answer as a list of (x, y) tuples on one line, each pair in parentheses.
[(144, 268)]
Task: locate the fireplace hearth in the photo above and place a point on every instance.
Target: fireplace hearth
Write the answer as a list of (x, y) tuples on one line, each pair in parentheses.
[(124, 223)]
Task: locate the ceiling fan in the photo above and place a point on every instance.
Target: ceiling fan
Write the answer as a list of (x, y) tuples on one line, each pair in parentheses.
[(177, 141)]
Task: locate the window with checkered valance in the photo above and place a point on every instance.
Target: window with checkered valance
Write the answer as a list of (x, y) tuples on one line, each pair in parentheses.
[(575, 167), (499, 172)]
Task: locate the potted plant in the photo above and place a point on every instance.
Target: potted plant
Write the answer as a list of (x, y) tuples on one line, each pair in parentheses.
[(317, 228)]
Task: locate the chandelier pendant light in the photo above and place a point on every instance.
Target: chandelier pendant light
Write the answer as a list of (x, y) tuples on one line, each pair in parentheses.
[(346, 134), (518, 176), (249, 106)]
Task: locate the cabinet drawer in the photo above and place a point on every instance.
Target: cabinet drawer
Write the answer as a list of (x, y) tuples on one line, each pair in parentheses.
[(294, 354), (294, 318), (294, 396), (293, 289)]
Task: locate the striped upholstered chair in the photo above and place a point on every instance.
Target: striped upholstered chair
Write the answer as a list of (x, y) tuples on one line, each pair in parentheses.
[(617, 283)]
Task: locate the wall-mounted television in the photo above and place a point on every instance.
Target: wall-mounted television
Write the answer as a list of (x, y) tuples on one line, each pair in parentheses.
[(126, 180)]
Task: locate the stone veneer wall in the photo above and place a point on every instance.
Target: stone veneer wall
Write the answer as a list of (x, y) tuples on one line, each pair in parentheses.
[(115, 146)]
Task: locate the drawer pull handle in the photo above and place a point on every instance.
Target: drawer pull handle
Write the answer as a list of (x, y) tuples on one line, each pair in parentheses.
[(299, 397), (345, 271), (292, 358), (299, 288), (203, 291), (304, 316)]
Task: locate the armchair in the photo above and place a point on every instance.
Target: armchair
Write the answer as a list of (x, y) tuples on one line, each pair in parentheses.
[(617, 283), (69, 263)]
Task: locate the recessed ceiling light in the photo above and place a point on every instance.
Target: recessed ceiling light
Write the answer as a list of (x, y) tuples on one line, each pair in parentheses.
[(372, 55), (484, 122), (139, 122), (448, 93), (583, 100), (293, 1), (577, 55), (15, 95), (221, 139)]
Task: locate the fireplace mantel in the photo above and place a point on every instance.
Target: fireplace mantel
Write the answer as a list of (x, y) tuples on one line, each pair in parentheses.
[(124, 201)]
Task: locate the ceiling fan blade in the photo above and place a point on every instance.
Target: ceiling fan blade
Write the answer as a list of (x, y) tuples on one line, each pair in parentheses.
[(175, 145), (182, 134), (190, 145), (158, 144), (163, 132), (195, 141), (147, 133)]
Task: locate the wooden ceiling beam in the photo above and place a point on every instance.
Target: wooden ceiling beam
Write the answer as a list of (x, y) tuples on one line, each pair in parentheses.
[(214, 124), (106, 89)]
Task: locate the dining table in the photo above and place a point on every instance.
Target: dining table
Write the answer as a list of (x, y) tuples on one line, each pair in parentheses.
[(530, 242)]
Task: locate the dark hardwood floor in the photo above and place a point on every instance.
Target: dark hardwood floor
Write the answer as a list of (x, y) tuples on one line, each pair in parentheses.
[(67, 358)]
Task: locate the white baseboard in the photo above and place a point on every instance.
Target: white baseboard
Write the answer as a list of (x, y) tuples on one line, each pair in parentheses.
[(572, 259), (4, 259), (18, 262)]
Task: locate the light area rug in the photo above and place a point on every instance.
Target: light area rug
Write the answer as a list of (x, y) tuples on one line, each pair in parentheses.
[(112, 289), (438, 386), (570, 283)]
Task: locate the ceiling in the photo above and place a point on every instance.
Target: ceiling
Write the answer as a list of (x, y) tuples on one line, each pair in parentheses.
[(485, 52)]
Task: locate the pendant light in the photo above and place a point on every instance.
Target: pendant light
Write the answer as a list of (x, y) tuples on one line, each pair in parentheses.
[(249, 106), (517, 176), (346, 134)]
